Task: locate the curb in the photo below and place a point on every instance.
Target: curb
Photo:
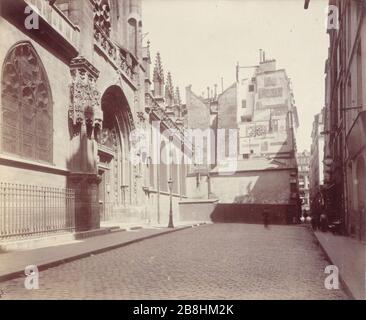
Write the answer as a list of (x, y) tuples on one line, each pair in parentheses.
[(42, 267), (345, 287)]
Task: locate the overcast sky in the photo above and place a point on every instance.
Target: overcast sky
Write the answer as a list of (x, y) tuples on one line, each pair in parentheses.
[(200, 41)]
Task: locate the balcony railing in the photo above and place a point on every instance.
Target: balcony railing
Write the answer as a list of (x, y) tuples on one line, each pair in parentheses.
[(27, 210), (57, 20), (120, 58)]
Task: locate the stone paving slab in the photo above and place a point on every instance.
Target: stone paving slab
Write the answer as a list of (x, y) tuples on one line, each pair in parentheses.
[(349, 255), (12, 264), (217, 261)]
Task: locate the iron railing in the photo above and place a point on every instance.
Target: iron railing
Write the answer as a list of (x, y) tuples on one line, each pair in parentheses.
[(110, 211), (118, 212), (33, 210)]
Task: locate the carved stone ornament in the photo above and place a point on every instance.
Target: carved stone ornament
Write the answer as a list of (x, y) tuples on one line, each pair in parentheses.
[(141, 116), (85, 98)]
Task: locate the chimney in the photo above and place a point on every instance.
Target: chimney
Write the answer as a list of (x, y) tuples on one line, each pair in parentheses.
[(260, 55), (208, 92), (264, 56), (215, 90)]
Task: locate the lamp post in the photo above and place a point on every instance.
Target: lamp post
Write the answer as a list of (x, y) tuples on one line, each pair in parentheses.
[(208, 183), (170, 184)]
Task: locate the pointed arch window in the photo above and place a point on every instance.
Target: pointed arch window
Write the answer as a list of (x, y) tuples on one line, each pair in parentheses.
[(26, 105), (163, 176)]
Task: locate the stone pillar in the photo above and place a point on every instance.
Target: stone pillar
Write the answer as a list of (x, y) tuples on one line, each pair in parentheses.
[(86, 200), (85, 121), (81, 14)]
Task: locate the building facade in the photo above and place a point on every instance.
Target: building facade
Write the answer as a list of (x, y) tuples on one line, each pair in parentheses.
[(316, 172), (250, 144), (303, 162), (77, 99), (345, 118)]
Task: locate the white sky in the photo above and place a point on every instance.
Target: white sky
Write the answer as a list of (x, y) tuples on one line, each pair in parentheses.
[(200, 41)]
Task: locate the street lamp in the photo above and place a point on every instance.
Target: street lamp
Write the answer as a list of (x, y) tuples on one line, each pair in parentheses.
[(170, 184)]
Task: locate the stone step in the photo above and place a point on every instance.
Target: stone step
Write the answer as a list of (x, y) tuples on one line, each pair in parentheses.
[(36, 242), (95, 232), (53, 239)]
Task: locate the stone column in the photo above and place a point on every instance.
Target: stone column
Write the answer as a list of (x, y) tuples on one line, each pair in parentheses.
[(81, 14), (85, 120), (86, 200)]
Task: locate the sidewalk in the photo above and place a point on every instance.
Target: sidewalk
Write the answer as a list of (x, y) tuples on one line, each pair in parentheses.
[(349, 255), (12, 264)]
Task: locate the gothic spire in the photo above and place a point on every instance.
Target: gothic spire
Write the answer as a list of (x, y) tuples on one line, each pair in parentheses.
[(148, 49), (158, 77), (177, 100), (169, 89), (158, 69)]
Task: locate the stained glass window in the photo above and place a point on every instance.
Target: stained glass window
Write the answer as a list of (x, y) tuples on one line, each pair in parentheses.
[(26, 105)]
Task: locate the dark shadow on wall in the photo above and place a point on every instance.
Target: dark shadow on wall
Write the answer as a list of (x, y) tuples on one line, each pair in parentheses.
[(274, 192), (83, 179), (253, 213)]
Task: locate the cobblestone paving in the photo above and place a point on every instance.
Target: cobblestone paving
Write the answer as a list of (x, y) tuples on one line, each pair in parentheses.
[(220, 261)]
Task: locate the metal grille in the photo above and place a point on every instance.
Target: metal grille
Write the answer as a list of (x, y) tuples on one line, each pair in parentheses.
[(109, 211), (33, 210), (115, 211)]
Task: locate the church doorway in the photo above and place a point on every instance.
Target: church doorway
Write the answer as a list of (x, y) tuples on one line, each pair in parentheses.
[(113, 156)]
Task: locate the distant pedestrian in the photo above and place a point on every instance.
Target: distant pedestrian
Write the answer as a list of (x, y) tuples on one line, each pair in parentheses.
[(265, 218), (323, 222), (314, 221), (305, 216)]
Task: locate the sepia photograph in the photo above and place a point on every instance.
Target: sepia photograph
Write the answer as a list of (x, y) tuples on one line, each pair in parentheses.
[(183, 156)]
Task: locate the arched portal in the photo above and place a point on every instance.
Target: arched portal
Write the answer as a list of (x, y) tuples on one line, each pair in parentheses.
[(113, 155)]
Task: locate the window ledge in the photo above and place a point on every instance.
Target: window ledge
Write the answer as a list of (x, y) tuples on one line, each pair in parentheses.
[(176, 195), (31, 165)]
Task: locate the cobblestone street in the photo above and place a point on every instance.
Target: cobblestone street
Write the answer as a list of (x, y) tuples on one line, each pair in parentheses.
[(219, 261)]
